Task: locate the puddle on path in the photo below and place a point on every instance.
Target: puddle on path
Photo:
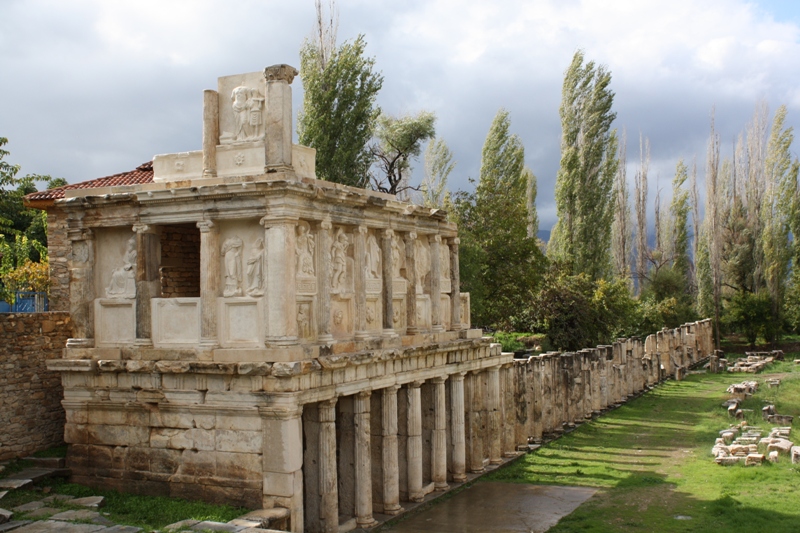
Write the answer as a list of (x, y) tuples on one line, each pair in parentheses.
[(498, 507)]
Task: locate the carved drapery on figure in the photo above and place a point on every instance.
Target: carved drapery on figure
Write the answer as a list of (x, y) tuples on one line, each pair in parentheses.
[(339, 262), (305, 250), (255, 269), (123, 279), (232, 253), (373, 258), (247, 104), (423, 266), (398, 257)]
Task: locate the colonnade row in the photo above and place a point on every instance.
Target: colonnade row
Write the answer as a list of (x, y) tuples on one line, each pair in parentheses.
[(374, 450)]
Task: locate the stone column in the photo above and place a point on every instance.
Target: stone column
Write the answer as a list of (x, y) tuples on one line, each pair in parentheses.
[(323, 282), (363, 461), (210, 132), (436, 286), (458, 437), (476, 405), (507, 409), (282, 459), (147, 281), (328, 479), (439, 458), (414, 455), (493, 411), (411, 285), (360, 282), (455, 286), (391, 468), (209, 282), (388, 284), (278, 131), (281, 312), (81, 287)]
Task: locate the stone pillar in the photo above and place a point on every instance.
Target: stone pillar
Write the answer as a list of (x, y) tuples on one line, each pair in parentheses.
[(455, 286), (281, 312), (493, 411), (391, 468), (411, 286), (457, 426), (360, 282), (414, 441), (278, 131), (81, 287), (147, 280), (282, 459), (210, 132), (507, 408), (388, 284), (363, 460), (328, 479), (323, 282), (209, 282), (439, 457), (476, 405), (436, 285)]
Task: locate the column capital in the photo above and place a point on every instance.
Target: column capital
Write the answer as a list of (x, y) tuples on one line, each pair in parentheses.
[(439, 379), (416, 384), (494, 368), (288, 412), (330, 402), (392, 389), (388, 233), (206, 226), (280, 72), (80, 234), (144, 228), (457, 376), (454, 241), (364, 394), (272, 220), (435, 238)]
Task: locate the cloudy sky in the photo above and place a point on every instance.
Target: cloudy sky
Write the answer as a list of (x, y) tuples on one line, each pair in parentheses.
[(94, 87)]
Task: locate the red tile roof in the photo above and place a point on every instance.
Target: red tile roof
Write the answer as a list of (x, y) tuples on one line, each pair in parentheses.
[(142, 174)]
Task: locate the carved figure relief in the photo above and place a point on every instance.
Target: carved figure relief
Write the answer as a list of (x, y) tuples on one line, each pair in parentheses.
[(80, 251), (232, 253), (373, 258), (339, 262), (305, 250), (444, 261), (370, 315), (123, 279), (396, 315), (398, 257), (423, 266), (304, 320), (247, 105), (338, 317), (255, 270)]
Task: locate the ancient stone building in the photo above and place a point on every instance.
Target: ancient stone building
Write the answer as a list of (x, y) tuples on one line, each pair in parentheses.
[(245, 333)]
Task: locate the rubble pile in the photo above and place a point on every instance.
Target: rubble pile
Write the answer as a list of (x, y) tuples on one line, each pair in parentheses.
[(755, 362)]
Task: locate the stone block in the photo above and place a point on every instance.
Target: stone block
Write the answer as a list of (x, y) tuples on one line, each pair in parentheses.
[(754, 459)]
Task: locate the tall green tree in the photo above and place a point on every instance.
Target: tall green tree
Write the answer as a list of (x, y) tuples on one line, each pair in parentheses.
[(500, 264), (398, 140), (585, 180), (439, 165), (339, 109), (679, 227)]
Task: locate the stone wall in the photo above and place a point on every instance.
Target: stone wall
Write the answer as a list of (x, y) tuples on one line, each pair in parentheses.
[(180, 261), (58, 248), (31, 416)]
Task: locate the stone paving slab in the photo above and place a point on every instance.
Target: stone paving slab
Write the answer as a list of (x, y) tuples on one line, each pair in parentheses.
[(3, 493), (82, 514), (30, 506), (92, 502), (50, 526), (58, 498), (13, 526), (122, 529), (37, 474), (500, 508), (9, 483), (216, 526), (42, 512)]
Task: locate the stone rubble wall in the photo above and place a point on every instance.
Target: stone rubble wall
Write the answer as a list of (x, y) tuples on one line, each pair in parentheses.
[(31, 416), (180, 260), (58, 249), (554, 391)]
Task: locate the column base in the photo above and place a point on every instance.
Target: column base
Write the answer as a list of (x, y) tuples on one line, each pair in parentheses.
[(413, 330), (143, 343), (209, 343), (362, 335), (439, 487), (389, 333), (366, 522), (393, 510), (80, 343), (325, 338), (459, 478), (438, 328), (280, 342)]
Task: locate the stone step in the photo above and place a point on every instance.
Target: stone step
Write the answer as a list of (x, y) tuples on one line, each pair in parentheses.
[(38, 474), (47, 462), (14, 524)]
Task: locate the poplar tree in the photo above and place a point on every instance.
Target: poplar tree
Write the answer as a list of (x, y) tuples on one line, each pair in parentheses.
[(438, 162), (585, 179), (339, 109), (622, 232)]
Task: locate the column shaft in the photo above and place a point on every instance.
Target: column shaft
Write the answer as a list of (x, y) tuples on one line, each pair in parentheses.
[(147, 283), (493, 410), (414, 442), (439, 458), (388, 284), (474, 423), (391, 468), (328, 479), (411, 285), (363, 460), (278, 134), (209, 281), (210, 132), (323, 282), (436, 285), (281, 314), (458, 437), (455, 286), (360, 281), (81, 287)]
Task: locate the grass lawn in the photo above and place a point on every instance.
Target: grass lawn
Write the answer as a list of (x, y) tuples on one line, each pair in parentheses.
[(651, 460)]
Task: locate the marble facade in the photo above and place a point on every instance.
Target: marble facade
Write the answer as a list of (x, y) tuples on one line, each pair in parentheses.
[(323, 365)]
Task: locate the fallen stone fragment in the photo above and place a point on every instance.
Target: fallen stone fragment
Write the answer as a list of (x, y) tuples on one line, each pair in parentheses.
[(14, 483), (215, 526), (783, 420), (5, 516), (81, 514), (15, 524), (795, 454), (754, 459), (780, 445), (92, 502), (58, 498), (727, 461), (773, 456), (42, 512), (178, 526), (30, 506)]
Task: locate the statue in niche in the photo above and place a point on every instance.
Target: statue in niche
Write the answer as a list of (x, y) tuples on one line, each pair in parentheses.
[(247, 104), (398, 257), (339, 262), (338, 317), (232, 252), (304, 320), (255, 270), (423, 260), (370, 315), (305, 250), (444, 254), (123, 279), (373, 258)]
